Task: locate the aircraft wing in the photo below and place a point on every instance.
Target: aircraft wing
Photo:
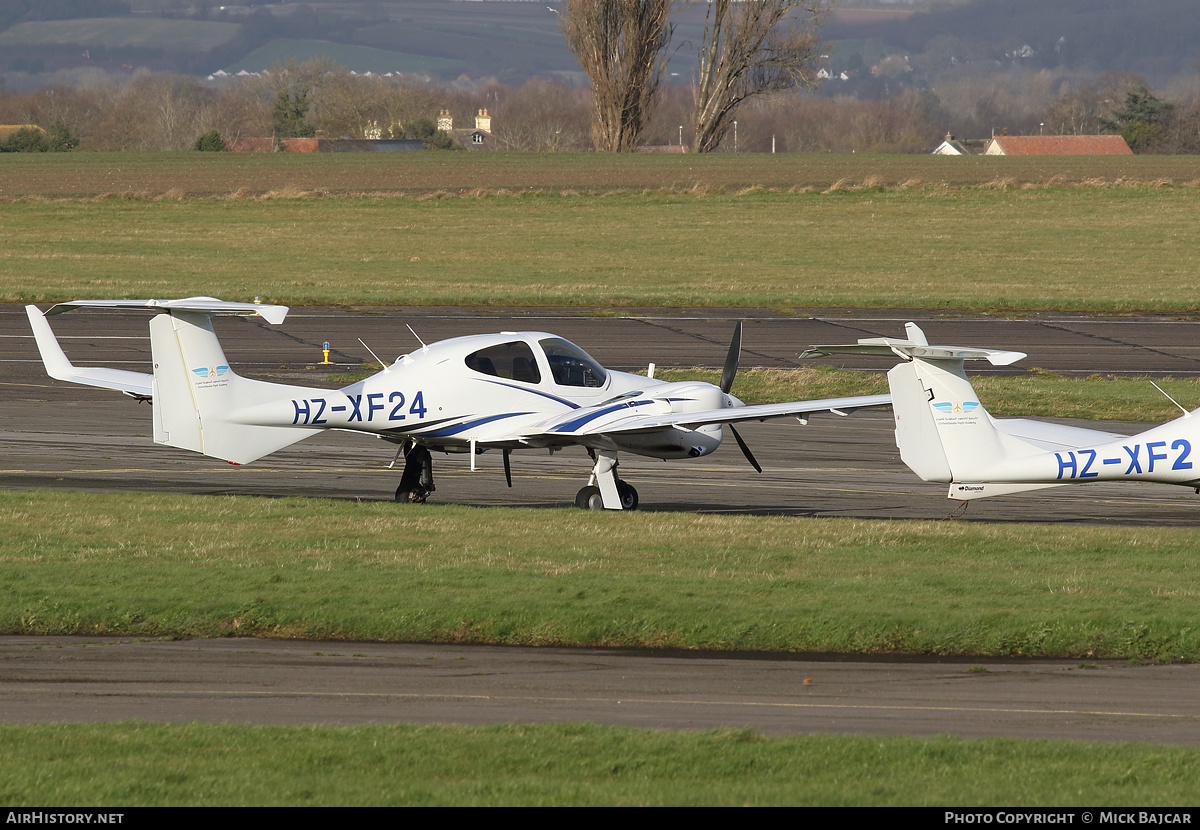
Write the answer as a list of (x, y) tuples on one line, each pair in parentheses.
[(135, 384), (608, 418)]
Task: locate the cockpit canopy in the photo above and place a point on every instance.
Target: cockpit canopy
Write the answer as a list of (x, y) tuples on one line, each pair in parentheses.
[(568, 364), (571, 365)]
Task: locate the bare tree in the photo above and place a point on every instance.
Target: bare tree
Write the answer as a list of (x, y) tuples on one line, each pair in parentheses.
[(751, 47), (620, 44), (543, 116)]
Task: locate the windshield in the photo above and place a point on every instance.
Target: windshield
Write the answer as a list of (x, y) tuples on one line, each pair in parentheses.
[(571, 365)]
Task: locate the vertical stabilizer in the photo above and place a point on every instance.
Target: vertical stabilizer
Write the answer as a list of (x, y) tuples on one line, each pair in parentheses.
[(198, 398), (916, 433), (943, 431), (176, 413)]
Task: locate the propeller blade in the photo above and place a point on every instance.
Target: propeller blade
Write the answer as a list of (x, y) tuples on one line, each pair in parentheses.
[(745, 450), (507, 468), (731, 360)]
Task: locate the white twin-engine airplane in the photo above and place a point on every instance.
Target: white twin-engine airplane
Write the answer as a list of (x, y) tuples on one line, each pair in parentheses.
[(945, 435), (507, 391)]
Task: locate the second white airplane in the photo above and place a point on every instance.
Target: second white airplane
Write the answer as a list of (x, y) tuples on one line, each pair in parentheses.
[(945, 434)]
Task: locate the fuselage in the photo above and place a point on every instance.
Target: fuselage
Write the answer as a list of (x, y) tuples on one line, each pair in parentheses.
[(509, 390)]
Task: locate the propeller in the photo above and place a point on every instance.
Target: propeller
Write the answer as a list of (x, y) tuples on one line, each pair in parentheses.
[(745, 450), (731, 359), (727, 376)]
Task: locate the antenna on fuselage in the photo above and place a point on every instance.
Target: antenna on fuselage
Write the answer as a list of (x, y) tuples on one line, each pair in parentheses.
[(377, 360), (1168, 397), (424, 348)]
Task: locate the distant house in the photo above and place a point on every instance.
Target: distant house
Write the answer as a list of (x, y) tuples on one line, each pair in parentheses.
[(373, 142), (964, 147), (479, 138), (1058, 145)]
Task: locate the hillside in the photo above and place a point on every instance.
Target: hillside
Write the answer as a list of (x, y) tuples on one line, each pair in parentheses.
[(512, 41)]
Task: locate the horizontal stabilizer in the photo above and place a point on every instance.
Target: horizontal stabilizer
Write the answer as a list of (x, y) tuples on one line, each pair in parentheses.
[(916, 346), (273, 314), (908, 350)]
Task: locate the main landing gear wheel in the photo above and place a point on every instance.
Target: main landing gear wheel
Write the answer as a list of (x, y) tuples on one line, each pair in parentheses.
[(417, 496), (589, 498)]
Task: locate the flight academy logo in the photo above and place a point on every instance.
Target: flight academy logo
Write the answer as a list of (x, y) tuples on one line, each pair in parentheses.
[(209, 377), (956, 407)]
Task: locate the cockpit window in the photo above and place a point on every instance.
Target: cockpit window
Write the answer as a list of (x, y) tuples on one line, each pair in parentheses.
[(571, 365), (514, 361)]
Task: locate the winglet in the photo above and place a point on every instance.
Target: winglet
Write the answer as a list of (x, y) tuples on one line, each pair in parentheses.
[(54, 358)]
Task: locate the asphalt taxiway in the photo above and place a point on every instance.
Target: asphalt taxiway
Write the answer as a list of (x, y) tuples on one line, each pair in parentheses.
[(51, 679)]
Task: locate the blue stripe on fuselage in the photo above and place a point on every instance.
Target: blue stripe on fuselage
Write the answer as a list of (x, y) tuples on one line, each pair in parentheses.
[(571, 426), (463, 427)]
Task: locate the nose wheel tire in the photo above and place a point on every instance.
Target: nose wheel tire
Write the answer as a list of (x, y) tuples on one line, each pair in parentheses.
[(589, 499)]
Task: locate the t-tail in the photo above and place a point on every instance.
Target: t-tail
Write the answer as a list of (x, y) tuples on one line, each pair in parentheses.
[(199, 402), (945, 434)]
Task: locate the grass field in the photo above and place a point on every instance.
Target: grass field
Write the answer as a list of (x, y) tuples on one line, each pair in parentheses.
[(155, 565), (130, 765), (1111, 248)]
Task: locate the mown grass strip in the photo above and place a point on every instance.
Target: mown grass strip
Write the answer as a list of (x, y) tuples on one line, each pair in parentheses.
[(1110, 249), (139, 764), (203, 567)]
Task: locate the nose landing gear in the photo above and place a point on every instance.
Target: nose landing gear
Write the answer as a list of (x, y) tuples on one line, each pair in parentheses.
[(606, 491), (589, 497)]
